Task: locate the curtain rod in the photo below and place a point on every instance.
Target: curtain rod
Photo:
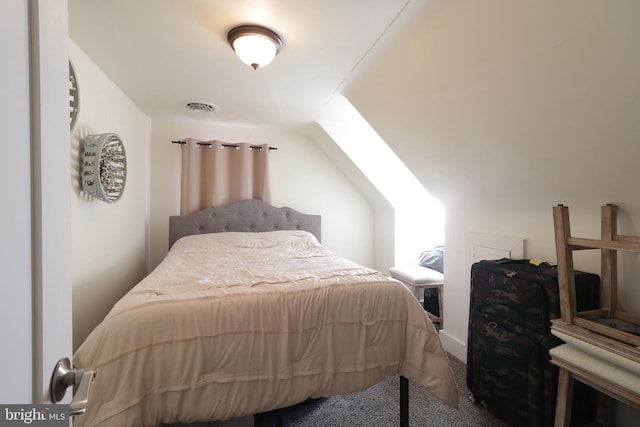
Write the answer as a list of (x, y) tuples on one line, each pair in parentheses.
[(208, 144)]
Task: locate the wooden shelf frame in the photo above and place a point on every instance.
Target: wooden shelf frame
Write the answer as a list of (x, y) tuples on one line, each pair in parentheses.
[(582, 325), (610, 244)]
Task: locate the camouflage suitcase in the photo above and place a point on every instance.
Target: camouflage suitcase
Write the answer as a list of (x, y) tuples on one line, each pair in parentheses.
[(512, 303)]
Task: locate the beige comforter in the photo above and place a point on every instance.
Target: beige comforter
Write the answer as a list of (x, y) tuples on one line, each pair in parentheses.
[(232, 324)]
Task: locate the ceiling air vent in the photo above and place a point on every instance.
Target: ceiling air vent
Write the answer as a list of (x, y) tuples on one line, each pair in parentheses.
[(202, 107)]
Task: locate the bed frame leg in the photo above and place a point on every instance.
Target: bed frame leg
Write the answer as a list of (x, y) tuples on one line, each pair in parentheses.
[(404, 402)]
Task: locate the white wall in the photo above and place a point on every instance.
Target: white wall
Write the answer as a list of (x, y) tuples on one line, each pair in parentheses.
[(302, 177), (109, 240), (504, 109), (15, 218), (383, 212)]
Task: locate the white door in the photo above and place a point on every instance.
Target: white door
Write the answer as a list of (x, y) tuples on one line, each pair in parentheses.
[(36, 197), (51, 190)]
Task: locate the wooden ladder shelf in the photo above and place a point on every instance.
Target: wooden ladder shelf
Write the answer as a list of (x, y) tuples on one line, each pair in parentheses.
[(603, 349), (606, 327)]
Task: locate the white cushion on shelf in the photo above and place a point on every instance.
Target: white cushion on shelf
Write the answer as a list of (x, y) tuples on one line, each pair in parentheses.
[(598, 352), (599, 367), (416, 274)]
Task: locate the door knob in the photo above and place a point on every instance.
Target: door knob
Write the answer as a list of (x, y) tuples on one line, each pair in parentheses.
[(63, 377)]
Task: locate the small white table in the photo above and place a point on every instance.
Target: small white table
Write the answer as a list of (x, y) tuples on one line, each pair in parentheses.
[(417, 277)]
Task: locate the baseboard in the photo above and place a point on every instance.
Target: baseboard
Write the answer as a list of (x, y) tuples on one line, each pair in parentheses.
[(454, 346)]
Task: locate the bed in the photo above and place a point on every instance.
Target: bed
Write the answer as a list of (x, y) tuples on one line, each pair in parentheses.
[(248, 313)]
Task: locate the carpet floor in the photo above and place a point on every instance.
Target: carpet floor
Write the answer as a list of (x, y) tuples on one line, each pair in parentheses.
[(379, 407)]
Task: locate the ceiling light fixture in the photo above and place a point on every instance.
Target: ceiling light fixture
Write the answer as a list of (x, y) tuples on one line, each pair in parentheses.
[(256, 46)]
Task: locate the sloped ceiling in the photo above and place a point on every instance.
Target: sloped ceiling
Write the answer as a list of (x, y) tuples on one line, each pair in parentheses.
[(165, 53)]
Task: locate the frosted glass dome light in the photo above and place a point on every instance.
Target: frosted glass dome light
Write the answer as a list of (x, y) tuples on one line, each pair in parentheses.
[(255, 46)]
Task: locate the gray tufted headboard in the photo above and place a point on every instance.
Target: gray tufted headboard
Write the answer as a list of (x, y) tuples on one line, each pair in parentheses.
[(246, 215)]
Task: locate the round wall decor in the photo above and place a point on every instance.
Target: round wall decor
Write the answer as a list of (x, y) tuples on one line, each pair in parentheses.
[(104, 167), (74, 96)]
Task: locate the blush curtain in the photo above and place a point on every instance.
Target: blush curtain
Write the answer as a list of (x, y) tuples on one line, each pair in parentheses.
[(217, 173)]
